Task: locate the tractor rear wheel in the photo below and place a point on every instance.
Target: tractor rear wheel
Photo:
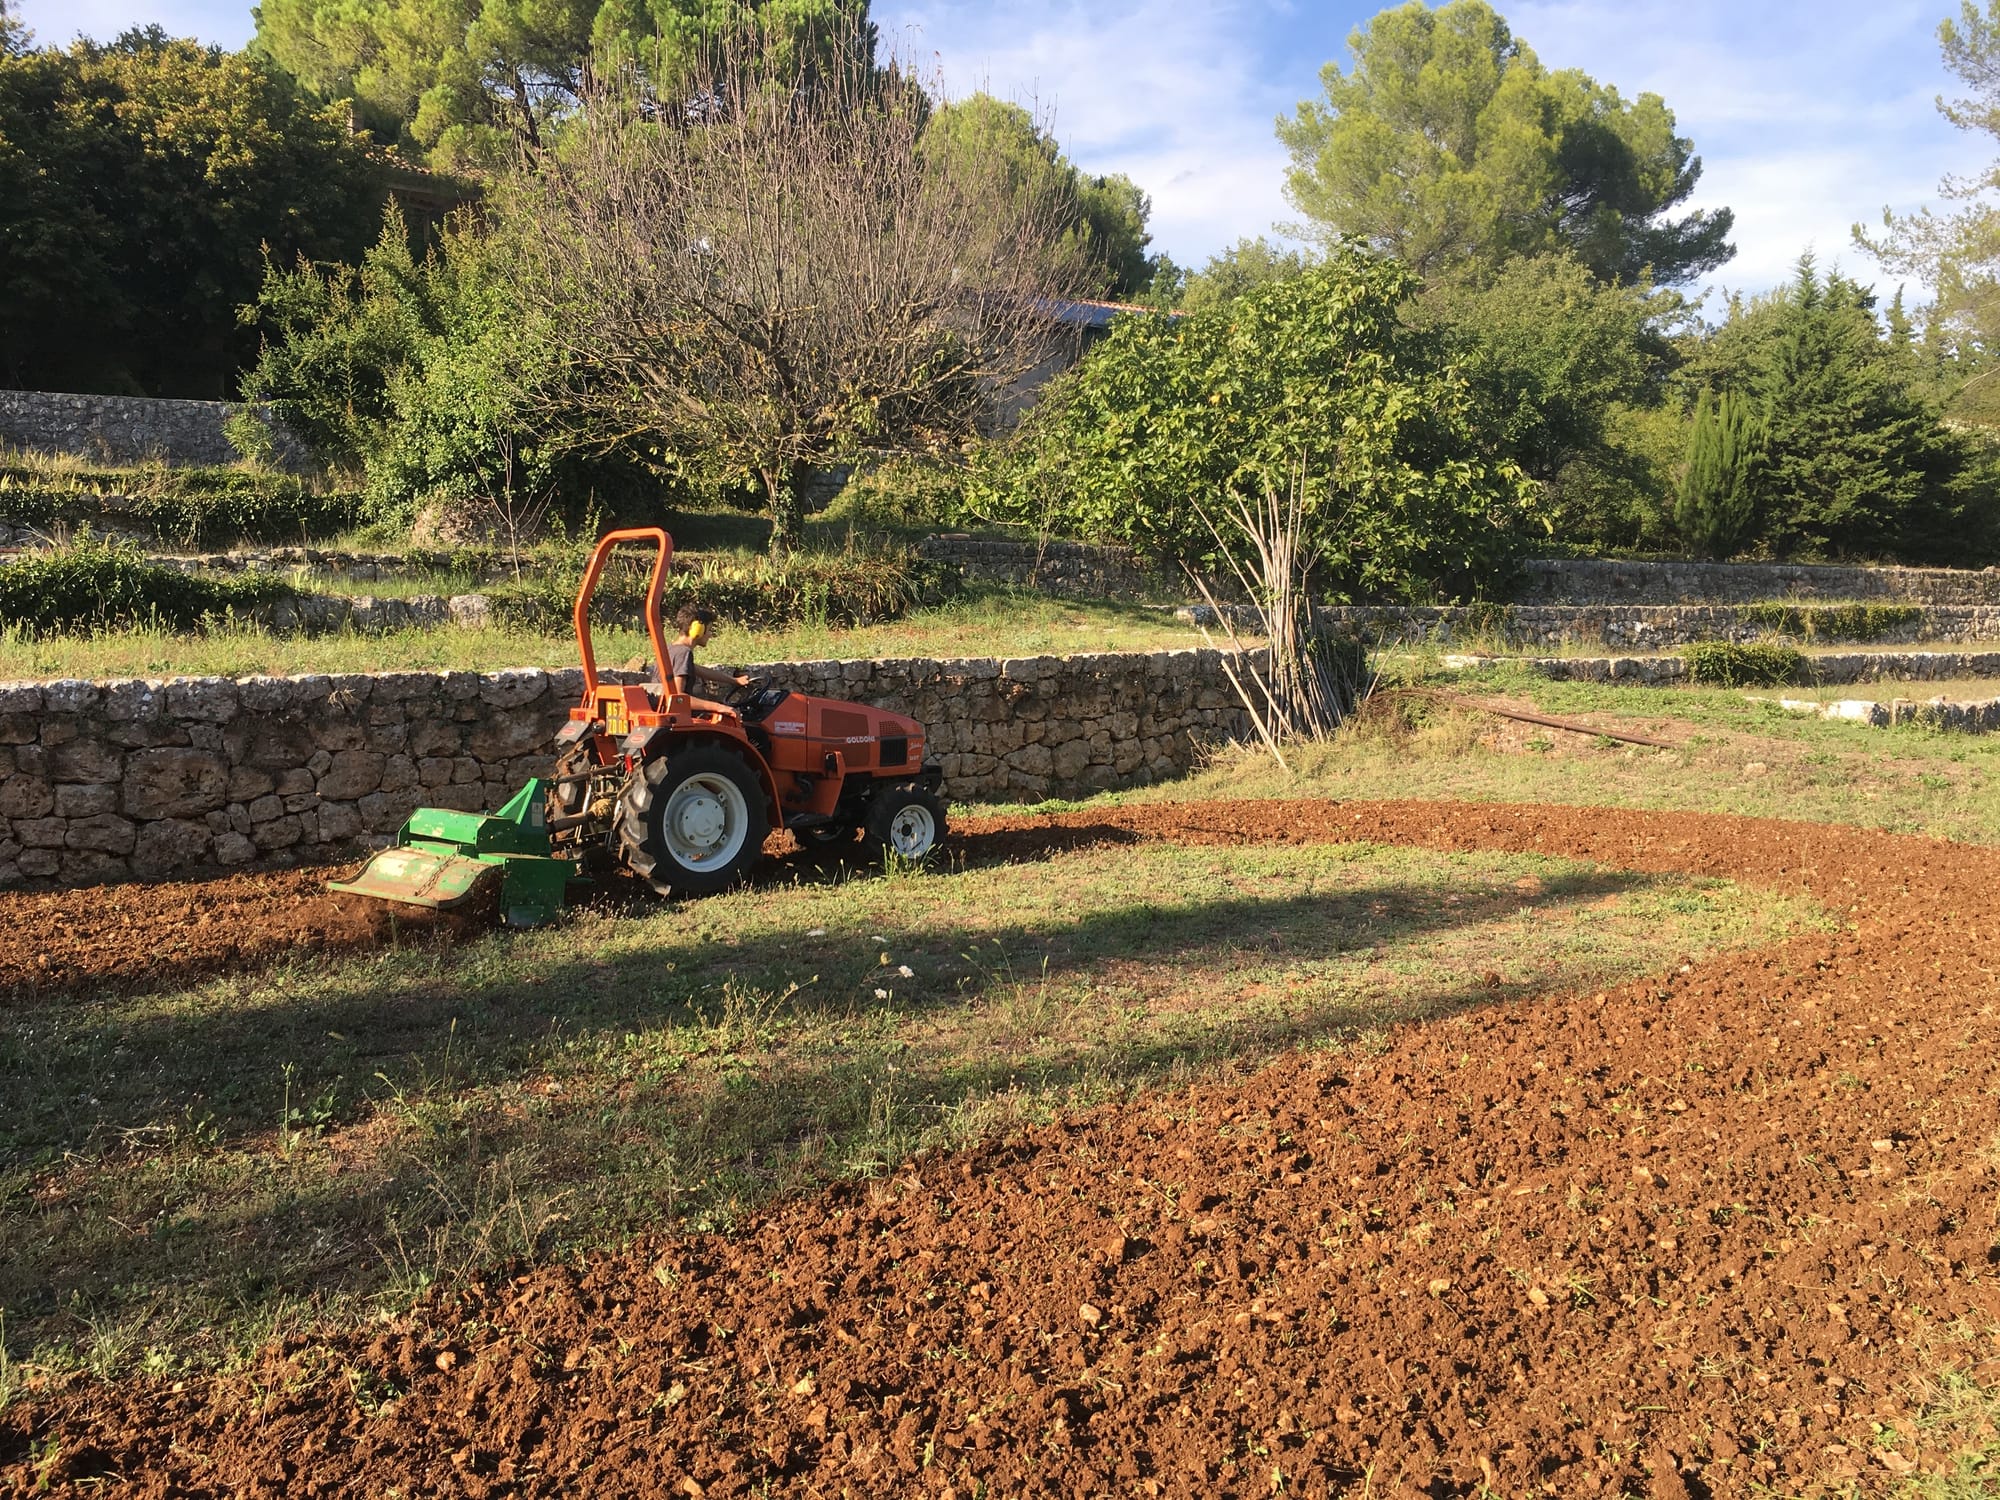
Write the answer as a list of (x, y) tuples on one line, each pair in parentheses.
[(693, 822), (906, 821)]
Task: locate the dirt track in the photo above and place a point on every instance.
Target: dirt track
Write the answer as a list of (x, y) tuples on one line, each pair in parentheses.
[(1686, 1237)]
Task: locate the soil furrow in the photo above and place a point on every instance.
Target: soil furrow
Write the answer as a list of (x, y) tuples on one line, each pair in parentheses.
[(1692, 1235)]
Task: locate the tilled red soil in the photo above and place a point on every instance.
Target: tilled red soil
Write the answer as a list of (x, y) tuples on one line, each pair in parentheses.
[(138, 934), (1690, 1236)]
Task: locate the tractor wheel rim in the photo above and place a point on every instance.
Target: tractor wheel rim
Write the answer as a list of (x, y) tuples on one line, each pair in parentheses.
[(912, 831), (705, 821)]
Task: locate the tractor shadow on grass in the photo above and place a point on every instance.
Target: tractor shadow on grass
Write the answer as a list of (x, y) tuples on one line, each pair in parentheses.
[(179, 1161)]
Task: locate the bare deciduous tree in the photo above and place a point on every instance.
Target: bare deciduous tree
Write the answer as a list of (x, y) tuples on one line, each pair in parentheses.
[(772, 272)]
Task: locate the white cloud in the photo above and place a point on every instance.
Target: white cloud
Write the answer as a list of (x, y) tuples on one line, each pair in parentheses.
[(1171, 94)]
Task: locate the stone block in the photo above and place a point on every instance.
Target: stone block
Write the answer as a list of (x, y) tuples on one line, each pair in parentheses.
[(20, 698), (73, 801), (434, 770), (87, 760), (464, 797), (247, 783), (26, 797), (39, 864), (266, 695), (105, 832), (70, 695), (339, 822), (384, 812), (234, 849), (170, 844), (132, 701), (19, 729), (508, 734), (171, 783), (266, 809), (91, 867), (1069, 759), (275, 743), (514, 688), (281, 834), (297, 779), (399, 774), (206, 700), (350, 774), (336, 729), (41, 833), (298, 802)]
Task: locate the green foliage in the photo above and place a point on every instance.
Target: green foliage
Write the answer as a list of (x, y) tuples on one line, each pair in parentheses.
[(334, 337), (1106, 216), (1728, 664), (1448, 144), (833, 589), (137, 182), (467, 81), (93, 584), (1716, 504), (1857, 461), (185, 507), (1244, 266), (1550, 351), (1315, 379), (1830, 622), (901, 492)]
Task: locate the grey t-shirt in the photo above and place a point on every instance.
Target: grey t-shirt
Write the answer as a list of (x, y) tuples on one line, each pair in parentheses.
[(680, 667)]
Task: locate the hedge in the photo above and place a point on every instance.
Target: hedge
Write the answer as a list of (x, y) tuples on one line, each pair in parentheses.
[(94, 584), (193, 507)]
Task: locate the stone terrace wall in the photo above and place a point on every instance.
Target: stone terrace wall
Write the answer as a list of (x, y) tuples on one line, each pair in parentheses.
[(1645, 627), (1606, 581), (126, 429), (1068, 569), (100, 781)]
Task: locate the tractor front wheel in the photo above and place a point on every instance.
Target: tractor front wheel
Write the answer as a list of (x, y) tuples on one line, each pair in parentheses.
[(693, 822), (906, 821)]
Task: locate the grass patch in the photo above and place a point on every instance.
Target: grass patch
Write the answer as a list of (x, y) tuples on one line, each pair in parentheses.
[(983, 622), (1733, 753), (185, 507), (183, 1174), (1830, 622)]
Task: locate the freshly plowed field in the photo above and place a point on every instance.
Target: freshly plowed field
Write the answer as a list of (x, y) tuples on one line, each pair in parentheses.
[(1691, 1236)]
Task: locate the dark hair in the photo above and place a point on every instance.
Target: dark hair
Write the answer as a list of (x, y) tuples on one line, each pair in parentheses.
[(692, 612)]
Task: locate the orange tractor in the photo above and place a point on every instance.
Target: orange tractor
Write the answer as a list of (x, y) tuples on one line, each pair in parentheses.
[(679, 790)]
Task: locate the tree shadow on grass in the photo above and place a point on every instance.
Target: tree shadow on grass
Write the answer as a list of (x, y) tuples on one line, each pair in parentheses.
[(418, 1115)]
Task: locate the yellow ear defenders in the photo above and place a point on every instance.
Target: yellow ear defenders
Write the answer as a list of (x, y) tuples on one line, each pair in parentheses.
[(697, 632)]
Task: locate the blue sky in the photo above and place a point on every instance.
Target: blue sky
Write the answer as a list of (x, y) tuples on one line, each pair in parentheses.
[(1808, 114)]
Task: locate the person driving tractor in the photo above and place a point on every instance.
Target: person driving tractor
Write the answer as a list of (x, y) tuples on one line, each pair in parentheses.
[(694, 623)]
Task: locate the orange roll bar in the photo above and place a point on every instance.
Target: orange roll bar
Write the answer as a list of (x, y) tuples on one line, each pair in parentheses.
[(581, 615)]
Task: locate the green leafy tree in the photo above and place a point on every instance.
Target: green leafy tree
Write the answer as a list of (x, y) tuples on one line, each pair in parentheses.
[(1105, 217), (1315, 380), (1551, 351), (336, 338), (1857, 459), (1244, 266), (139, 184), (1715, 504), (1449, 145), (462, 82)]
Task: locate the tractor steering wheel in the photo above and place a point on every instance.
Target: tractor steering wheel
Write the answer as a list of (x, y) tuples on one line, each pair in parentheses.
[(745, 693)]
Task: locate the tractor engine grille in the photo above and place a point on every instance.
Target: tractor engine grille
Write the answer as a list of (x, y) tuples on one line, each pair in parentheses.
[(895, 750)]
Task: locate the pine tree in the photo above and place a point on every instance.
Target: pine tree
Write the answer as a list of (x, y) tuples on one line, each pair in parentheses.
[(1716, 505)]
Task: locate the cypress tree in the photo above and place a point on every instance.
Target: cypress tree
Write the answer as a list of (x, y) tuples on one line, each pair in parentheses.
[(1716, 503)]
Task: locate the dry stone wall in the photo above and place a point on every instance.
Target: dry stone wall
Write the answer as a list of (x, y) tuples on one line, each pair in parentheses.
[(1641, 627), (1608, 581), (108, 780), (128, 429)]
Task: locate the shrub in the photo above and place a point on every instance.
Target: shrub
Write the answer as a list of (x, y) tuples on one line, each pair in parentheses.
[(92, 584), (193, 507), (1726, 664), (848, 588), (1830, 622), (902, 493)]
